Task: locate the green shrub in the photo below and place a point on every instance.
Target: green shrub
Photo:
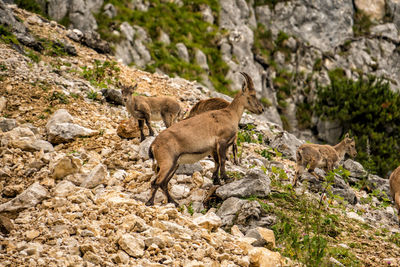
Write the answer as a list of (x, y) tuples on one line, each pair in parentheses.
[(30, 5), (102, 73), (370, 110), (7, 36)]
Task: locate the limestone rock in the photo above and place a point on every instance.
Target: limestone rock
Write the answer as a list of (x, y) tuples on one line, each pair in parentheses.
[(64, 188), (97, 176), (65, 166), (144, 147), (255, 183), (209, 221), (32, 196), (374, 9), (131, 245), (112, 96), (264, 237), (287, 144), (182, 52), (66, 132), (263, 257), (189, 169)]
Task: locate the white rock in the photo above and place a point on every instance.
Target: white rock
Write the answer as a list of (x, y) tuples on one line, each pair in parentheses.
[(210, 221), (64, 188), (131, 245), (97, 176)]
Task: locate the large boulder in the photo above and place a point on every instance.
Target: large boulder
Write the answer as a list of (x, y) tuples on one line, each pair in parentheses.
[(32, 196), (60, 128), (255, 183), (287, 144)]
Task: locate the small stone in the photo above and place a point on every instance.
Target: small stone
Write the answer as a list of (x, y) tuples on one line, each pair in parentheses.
[(30, 235)]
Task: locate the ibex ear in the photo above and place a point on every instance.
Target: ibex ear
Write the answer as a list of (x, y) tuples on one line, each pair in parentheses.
[(347, 135)]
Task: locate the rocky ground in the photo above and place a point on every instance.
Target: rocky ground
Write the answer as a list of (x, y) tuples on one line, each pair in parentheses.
[(72, 189)]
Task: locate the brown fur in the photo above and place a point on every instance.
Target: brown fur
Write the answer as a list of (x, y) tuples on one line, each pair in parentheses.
[(213, 104), (207, 105), (209, 133), (394, 182), (322, 156), (146, 109)]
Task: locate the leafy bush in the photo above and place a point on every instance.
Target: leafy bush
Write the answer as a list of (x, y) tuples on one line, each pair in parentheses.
[(6, 35), (102, 73), (370, 111)]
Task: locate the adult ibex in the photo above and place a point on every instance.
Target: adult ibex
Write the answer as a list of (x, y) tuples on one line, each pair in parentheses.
[(394, 182), (209, 133), (146, 109), (213, 104), (322, 156)]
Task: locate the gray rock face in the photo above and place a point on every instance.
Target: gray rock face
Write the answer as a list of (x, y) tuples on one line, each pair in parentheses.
[(355, 168), (255, 183), (110, 10), (133, 49), (323, 24), (287, 144), (32, 196), (393, 10), (330, 131), (57, 9), (80, 14)]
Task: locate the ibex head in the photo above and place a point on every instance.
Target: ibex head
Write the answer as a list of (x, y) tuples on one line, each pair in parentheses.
[(350, 145), (252, 103), (126, 91)]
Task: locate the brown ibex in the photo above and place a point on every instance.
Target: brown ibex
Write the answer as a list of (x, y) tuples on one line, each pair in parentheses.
[(394, 182), (209, 133), (322, 156), (213, 104), (146, 109)]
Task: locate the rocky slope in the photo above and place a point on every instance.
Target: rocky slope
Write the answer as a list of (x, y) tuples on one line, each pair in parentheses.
[(72, 189)]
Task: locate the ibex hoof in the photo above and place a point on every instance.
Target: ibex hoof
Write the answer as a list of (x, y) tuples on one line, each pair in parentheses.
[(149, 203)]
